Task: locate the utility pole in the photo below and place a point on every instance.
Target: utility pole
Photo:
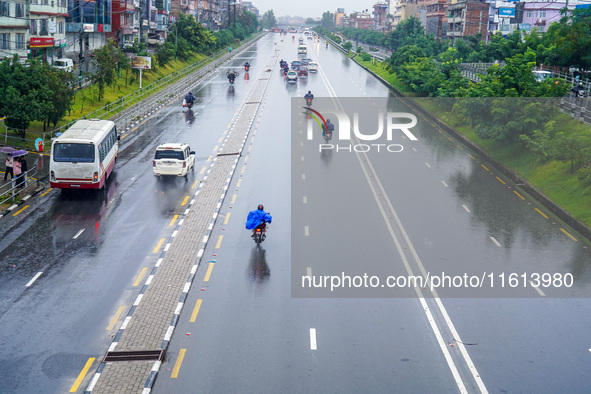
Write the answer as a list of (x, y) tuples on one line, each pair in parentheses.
[(141, 21), (81, 55)]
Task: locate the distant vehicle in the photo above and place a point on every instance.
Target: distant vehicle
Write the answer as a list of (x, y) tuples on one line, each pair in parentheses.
[(64, 64), (155, 39), (292, 76), (541, 75), (295, 65), (306, 61), (173, 159), (313, 67), (84, 156), (301, 40), (310, 38), (303, 71), (302, 50)]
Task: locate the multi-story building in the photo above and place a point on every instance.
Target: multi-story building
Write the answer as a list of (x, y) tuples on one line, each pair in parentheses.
[(86, 26), (434, 16), (34, 29), (380, 13), (361, 20), (467, 18), (541, 15), (14, 29), (125, 20), (403, 9), (162, 16), (338, 15)]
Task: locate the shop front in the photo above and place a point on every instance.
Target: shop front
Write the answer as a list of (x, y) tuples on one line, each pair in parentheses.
[(42, 48)]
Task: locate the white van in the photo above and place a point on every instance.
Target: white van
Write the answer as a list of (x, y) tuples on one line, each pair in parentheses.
[(64, 64), (302, 50)]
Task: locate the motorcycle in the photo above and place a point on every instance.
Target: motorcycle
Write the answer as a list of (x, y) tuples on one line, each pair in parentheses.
[(231, 76), (327, 136), (187, 105), (259, 233), (246, 68), (308, 101)]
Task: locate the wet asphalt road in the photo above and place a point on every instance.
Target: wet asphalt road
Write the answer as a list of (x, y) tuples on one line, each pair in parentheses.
[(250, 335)]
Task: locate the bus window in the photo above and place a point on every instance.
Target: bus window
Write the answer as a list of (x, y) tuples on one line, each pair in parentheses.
[(74, 153)]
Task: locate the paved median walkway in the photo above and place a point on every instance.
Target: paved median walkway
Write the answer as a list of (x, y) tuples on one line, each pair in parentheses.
[(151, 321)]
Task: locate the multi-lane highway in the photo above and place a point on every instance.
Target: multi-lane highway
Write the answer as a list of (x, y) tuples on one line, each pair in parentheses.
[(248, 324)]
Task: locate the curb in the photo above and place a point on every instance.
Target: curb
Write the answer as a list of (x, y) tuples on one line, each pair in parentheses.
[(534, 193), (6, 212)]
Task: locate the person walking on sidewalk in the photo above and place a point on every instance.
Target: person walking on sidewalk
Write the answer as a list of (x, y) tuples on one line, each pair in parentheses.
[(9, 167), (21, 180), (16, 168)]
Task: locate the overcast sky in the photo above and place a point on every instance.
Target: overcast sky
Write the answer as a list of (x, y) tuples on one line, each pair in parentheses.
[(310, 8)]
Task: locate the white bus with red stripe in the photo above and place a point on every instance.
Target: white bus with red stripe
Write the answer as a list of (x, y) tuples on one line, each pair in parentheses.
[(84, 156)]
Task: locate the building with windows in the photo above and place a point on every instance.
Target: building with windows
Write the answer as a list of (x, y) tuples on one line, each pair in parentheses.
[(541, 15), (380, 13), (467, 18), (86, 26), (125, 22), (33, 29), (434, 15)]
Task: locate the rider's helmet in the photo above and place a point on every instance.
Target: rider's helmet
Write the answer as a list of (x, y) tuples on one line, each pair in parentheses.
[(260, 207), (327, 120), (309, 92)]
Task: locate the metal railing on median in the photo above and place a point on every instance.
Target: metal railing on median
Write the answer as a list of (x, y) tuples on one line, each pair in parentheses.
[(11, 191)]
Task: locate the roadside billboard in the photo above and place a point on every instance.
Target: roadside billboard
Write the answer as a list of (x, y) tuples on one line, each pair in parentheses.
[(141, 62)]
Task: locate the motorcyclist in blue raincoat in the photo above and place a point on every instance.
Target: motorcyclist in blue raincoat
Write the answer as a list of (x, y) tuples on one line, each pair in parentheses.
[(257, 218), (189, 99)]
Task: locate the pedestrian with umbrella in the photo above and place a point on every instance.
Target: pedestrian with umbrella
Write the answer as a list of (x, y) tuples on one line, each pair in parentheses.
[(9, 161), (16, 168), (19, 169)]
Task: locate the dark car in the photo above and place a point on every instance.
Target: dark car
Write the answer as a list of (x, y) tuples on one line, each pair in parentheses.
[(295, 65), (303, 71), (306, 61)]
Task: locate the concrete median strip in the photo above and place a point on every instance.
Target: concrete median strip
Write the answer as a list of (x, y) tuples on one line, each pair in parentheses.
[(151, 321)]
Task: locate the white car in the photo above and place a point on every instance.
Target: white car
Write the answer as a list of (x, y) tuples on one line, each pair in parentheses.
[(542, 75), (292, 76), (313, 67), (172, 159)]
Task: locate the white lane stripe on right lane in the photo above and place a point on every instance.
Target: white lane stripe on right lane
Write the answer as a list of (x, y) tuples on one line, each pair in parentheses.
[(34, 279), (313, 339)]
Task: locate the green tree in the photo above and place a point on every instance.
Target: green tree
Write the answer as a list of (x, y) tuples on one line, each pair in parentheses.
[(25, 93), (105, 64), (62, 84), (347, 46), (568, 42), (268, 20), (327, 20), (540, 140), (407, 31), (164, 53), (570, 149)]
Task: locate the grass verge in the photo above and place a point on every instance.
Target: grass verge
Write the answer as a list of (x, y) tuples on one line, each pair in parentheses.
[(551, 177)]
